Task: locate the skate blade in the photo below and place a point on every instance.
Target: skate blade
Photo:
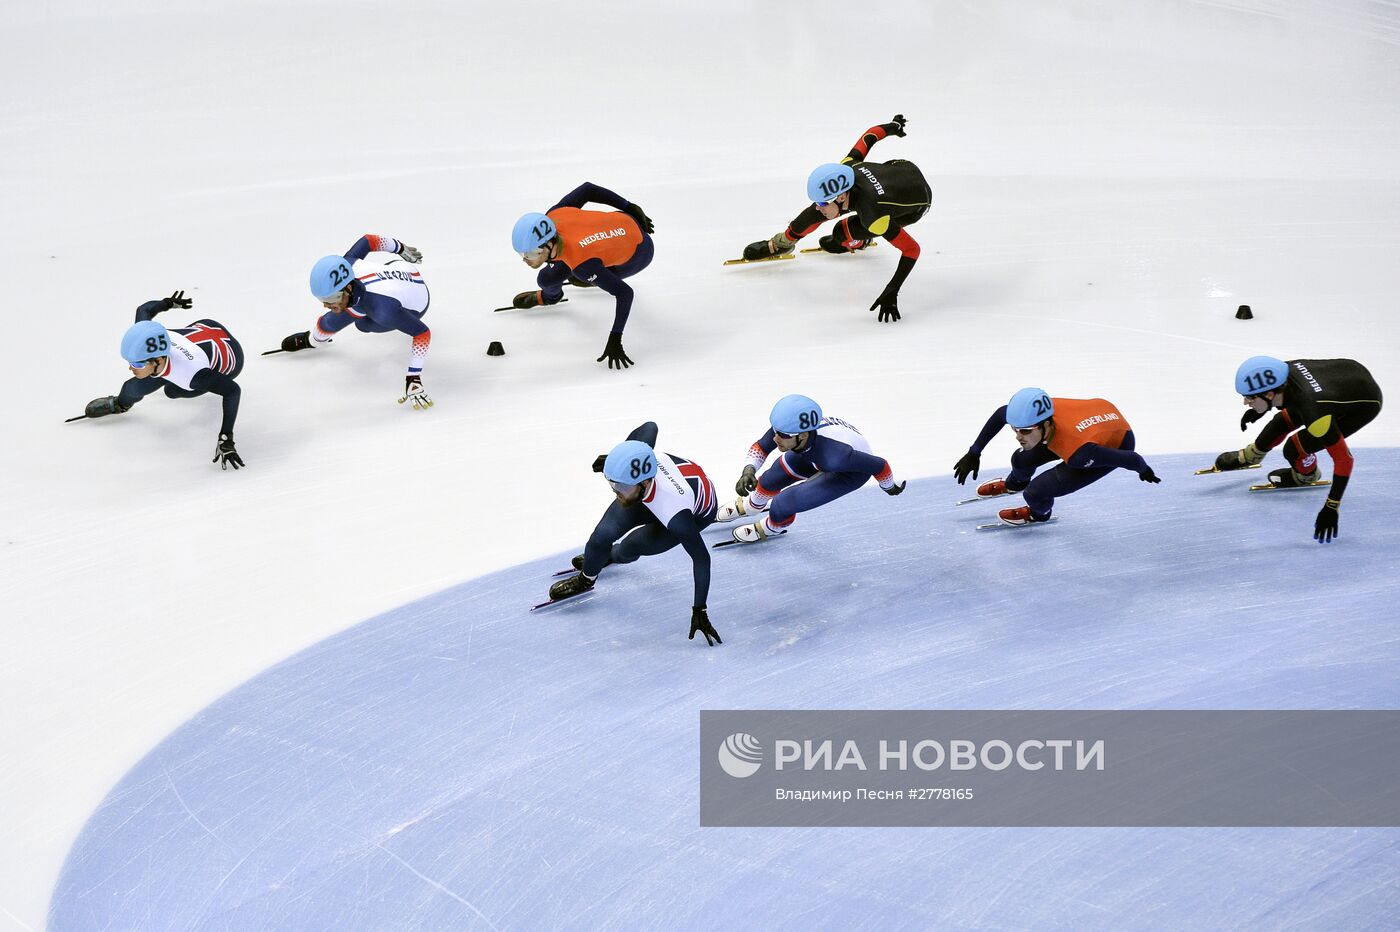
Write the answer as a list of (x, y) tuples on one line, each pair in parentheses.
[(785, 255), (1002, 525), (983, 498), (1270, 487), (1212, 469), (567, 600)]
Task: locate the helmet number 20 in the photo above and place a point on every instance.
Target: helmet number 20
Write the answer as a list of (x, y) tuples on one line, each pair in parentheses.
[(1042, 406)]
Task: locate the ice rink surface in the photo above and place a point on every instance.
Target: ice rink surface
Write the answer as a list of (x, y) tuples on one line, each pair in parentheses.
[(186, 669)]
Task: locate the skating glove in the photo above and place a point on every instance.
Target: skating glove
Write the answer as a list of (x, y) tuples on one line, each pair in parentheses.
[(643, 220), (101, 407), (614, 353), (888, 303), (409, 253), (1249, 417), (967, 466), (598, 463), (896, 126), (895, 489), (700, 621), (413, 391), (748, 481), (1147, 475), (226, 454), (297, 341), (178, 299), (1325, 528)]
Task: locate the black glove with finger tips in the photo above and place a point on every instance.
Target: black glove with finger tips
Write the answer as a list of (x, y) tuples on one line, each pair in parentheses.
[(700, 621), (748, 481), (641, 217), (970, 464), (614, 353)]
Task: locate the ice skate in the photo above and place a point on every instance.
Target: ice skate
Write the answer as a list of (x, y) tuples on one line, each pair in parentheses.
[(574, 585), (756, 532), (1016, 517), (1289, 478), (739, 508), (832, 244), (778, 245), (993, 488)]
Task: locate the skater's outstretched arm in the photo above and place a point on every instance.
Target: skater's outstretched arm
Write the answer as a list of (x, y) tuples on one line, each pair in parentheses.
[(688, 533), (861, 150)]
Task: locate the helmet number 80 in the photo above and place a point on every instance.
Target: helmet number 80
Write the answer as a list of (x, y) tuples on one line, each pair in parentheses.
[(808, 420)]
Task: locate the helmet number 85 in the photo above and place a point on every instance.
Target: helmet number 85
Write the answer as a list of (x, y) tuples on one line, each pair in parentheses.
[(156, 344)]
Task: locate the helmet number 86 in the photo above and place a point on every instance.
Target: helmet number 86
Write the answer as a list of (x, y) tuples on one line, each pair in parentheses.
[(640, 466)]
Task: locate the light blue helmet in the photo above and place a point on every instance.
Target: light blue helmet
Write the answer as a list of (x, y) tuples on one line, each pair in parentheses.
[(631, 462), (330, 276), (531, 232), (1260, 374), (1029, 407), (829, 181), (145, 340), (795, 414)]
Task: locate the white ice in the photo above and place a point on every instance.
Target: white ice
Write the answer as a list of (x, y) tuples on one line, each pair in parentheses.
[(1110, 182)]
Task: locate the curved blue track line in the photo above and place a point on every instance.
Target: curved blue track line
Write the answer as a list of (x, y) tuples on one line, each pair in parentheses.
[(460, 763)]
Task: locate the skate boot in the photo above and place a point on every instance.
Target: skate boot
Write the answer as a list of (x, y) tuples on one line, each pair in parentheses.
[(574, 585), (768, 248), (993, 488), (832, 244), (1290, 478), (758, 531), (739, 508), (1019, 516)]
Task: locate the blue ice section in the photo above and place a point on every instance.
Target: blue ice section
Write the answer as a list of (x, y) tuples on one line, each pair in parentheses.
[(460, 763)]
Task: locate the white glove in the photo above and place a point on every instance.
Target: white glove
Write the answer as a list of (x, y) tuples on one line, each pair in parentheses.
[(409, 253), (413, 391)]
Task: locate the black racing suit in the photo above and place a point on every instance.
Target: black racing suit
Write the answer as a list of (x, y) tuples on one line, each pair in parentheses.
[(1325, 401), (886, 198)]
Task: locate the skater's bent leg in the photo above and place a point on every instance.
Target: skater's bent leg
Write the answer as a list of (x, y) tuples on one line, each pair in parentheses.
[(1024, 463), (826, 487), (615, 523), (646, 541), (776, 478), (1042, 491)]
